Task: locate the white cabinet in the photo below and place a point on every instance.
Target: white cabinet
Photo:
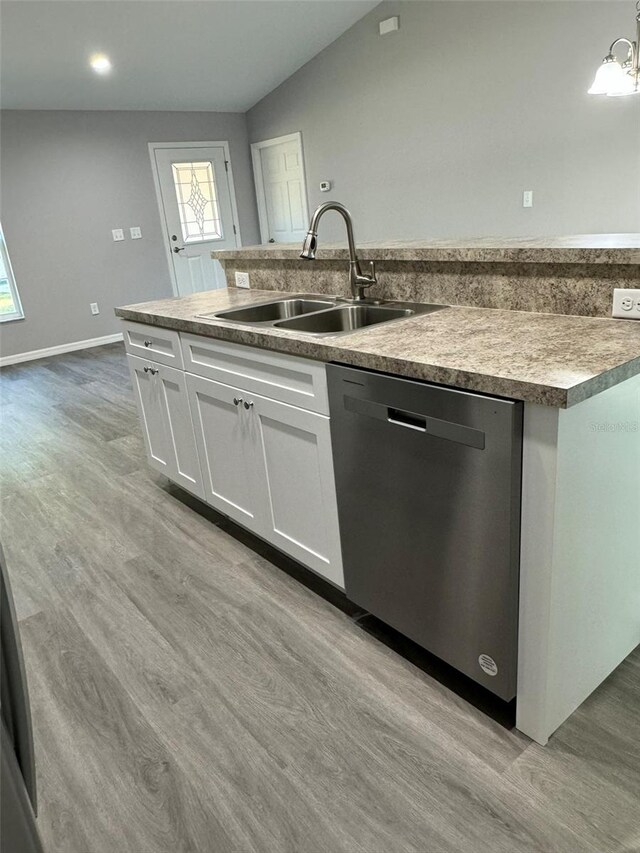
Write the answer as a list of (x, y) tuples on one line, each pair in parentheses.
[(247, 431), (268, 465), (161, 398), (293, 449), (225, 449)]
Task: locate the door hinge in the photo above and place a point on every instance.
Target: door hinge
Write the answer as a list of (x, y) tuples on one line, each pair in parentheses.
[(234, 230), (226, 165)]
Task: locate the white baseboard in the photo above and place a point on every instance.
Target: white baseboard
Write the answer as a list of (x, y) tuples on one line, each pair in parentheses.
[(47, 352)]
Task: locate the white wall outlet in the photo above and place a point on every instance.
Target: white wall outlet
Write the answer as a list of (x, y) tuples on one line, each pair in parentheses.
[(527, 198), (117, 234), (94, 308), (626, 303), (242, 279), (136, 232), (389, 25)]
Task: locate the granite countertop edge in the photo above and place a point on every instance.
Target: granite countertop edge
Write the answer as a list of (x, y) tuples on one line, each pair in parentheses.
[(578, 249)]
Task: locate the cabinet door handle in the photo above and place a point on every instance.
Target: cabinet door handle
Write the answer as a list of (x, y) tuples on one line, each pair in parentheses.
[(153, 371), (237, 401), (148, 343), (146, 369), (248, 405)]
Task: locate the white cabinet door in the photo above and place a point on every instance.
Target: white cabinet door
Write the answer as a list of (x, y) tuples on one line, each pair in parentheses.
[(226, 450), (184, 463), (161, 397), (152, 419), (298, 489)]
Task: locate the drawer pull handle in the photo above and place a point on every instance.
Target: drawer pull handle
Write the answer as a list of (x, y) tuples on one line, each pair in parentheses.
[(237, 401), (248, 405), (148, 343)]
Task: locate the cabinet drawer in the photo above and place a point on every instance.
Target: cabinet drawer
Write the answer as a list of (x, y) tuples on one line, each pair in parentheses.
[(159, 345), (298, 381)]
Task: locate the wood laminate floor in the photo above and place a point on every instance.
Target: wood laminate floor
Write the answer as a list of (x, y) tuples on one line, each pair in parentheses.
[(190, 696)]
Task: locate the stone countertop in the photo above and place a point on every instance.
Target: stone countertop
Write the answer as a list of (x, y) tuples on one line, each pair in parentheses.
[(576, 249), (556, 360)]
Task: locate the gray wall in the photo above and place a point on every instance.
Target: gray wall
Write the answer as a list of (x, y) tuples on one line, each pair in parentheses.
[(67, 179), (436, 130)]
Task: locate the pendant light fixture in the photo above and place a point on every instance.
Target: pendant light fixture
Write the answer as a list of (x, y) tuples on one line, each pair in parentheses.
[(615, 78)]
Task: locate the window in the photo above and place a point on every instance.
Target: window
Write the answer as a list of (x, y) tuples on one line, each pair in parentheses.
[(197, 201), (10, 307)]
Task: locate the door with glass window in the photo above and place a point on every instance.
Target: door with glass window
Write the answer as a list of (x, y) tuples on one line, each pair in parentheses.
[(198, 208)]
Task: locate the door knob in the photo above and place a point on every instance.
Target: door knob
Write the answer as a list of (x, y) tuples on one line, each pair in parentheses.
[(177, 249)]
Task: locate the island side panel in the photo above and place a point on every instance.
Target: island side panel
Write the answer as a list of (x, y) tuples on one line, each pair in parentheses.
[(539, 474), (585, 598)]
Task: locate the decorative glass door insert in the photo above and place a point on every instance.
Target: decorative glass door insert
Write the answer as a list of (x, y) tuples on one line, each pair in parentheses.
[(196, 195)]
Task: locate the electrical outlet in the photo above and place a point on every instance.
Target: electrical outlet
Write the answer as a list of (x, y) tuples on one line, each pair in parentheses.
[(135, 232), (242, 279), (94, 308), (389, 25), (117, 234), (527, 198), (626, 303)]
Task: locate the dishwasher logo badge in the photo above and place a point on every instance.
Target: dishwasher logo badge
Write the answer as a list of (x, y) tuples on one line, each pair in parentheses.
[(488, 665)]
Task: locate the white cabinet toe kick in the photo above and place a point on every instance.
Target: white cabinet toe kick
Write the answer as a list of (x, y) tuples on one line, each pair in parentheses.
[(247, 431)]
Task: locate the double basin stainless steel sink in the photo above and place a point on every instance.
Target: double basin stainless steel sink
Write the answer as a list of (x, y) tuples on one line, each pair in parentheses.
[(321, 315)]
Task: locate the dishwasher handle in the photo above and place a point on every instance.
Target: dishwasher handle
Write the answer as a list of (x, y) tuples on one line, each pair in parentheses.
[(407, 419), (425, 424)]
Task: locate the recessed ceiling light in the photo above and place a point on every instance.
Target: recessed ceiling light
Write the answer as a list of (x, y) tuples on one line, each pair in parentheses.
[(100, 63)]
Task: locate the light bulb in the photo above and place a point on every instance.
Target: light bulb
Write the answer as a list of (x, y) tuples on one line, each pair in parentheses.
[(100, 63), (626, 86)]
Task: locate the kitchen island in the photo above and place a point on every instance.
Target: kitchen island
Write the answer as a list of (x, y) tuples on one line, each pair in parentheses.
[(579, 379)]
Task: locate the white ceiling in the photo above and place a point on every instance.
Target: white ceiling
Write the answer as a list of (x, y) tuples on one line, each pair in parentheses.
[(167, 54)]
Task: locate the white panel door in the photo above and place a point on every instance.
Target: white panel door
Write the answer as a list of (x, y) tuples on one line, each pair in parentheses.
[(301, 516), (226, 450), (150, 403), (184, 464), (281, 190), (198, 210)]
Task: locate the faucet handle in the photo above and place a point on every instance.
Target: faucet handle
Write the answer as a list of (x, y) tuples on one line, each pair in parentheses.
[(367, 280)]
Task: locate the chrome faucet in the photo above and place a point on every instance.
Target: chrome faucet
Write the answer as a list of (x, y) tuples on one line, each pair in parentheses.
[(359, 281)]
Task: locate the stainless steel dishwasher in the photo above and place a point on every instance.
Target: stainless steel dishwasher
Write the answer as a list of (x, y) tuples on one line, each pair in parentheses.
[(428, 482)]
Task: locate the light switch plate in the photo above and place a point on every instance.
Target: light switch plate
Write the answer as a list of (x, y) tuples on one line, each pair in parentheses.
[(242, 279), (527, 198), (117, 234), (626, 303), (136, 232), (94, 307)]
